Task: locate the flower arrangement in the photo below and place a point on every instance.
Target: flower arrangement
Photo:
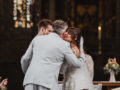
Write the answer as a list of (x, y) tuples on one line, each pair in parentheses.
[(112, 65)]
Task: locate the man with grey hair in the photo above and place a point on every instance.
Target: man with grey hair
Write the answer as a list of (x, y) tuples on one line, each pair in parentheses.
[(48, 53), (59, 27)]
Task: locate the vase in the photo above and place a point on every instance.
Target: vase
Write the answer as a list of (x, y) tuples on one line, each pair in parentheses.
[(112, 76)]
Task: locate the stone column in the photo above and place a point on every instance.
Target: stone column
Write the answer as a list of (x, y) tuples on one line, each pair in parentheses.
[(1, 15), (118, 19), (52, 9), (117, 44)]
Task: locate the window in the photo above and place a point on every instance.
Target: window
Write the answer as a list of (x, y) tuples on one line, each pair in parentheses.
[(22, 13)]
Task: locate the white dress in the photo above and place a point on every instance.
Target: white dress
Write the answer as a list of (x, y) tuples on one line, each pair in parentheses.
[(77, 79), (90, 65)]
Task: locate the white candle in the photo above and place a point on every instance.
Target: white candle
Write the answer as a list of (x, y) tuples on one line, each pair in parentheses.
[(99, 32), (99, 38)]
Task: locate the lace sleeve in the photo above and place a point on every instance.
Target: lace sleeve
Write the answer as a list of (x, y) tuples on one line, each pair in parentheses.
[(82, 55)]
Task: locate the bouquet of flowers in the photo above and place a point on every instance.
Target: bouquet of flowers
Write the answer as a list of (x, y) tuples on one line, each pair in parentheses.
[(112, 65)]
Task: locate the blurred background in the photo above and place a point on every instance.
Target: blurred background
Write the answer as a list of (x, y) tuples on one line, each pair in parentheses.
[(99, 21)]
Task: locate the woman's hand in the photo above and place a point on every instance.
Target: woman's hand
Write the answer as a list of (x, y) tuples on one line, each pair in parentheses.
[(76, 51), (3, 83)]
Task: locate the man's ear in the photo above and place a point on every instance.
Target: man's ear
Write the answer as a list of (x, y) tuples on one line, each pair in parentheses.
[(42, 29), (75, 37), (63, 35)]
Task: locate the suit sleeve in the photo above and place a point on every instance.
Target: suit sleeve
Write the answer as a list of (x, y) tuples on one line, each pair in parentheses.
[(72, 59), (27, 57), (63, 67)]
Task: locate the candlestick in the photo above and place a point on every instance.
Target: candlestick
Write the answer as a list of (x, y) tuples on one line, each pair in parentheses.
[(99, 38)]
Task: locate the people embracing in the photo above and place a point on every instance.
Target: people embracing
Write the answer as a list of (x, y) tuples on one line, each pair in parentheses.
[(44, 57)]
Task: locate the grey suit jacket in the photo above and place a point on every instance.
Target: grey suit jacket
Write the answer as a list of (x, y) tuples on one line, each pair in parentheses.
[(48, 53)]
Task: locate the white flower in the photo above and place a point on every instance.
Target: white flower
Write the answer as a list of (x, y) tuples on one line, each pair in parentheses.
[(113, 65)]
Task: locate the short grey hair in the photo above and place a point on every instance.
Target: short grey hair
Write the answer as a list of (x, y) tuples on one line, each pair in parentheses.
[(59, 26)]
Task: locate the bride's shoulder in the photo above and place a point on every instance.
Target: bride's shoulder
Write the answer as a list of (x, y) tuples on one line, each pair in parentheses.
[(88, 56)]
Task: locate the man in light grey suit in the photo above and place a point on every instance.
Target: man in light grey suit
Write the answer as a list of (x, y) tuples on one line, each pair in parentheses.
[(48, 53), (44, 27)]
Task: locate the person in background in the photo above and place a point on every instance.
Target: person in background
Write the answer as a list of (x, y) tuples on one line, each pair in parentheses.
[(44, 27)]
